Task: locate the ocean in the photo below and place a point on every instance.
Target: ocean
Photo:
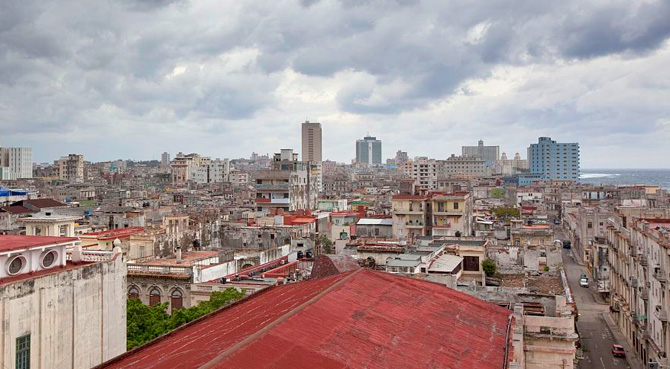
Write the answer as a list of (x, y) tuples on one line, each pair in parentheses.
[(658, 177)]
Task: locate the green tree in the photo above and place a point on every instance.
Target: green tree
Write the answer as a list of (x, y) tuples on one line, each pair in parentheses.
[(145, 323), (506, 213), (497, 193), (490, 267), (326, 244)]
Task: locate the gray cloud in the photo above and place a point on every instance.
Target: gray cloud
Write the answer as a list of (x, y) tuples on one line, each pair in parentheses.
[(70, 68)]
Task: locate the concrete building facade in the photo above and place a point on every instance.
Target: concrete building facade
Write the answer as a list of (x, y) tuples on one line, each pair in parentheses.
[(490, 154), (71, 168), (312, 142), (464, 166), (60, 310), (17, 162)]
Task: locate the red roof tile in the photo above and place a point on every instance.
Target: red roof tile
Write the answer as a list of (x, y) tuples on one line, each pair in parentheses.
[(327, 265), (114, 233), (10, 243), (41, 203), (361, 319), (17, 209)]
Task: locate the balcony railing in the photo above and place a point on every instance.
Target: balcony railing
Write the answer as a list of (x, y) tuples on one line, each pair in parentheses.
[(644, 294), (660, 275), (158, 269), (93, 255)]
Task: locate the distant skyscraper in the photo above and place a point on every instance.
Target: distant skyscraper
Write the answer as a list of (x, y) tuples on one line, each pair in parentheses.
[(17, 161), (165, 161), (369, 151), (552, 160), (487, 153), (311, 142)]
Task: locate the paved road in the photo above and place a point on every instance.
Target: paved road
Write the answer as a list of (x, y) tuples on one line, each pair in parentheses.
[(596, 337)]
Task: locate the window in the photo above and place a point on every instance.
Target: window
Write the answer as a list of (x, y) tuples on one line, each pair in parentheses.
[(16, 265), (133, 293), (471, 263), (154, 297), (48, 259), (455, 206), (23, 352), (62, 231), (176, 300)]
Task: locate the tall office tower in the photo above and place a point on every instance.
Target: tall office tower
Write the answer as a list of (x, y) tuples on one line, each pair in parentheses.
[(369, 151), (552, 160), (487, 153), (71, 168), (165, 161), (311, 142), (17, 161)]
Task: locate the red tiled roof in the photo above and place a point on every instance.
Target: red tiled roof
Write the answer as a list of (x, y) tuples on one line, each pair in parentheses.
[(114, 233), (17, 209), (409, 197), (41, 203), (327, 265), (361, 319), (14, 242)]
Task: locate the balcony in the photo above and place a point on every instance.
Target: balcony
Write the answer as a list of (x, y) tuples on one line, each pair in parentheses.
[(644, 261), (272, 187), (632, 252), (660, 275), (661, 314), (401, 211), (634, 283), (414, 225), (644, 293)]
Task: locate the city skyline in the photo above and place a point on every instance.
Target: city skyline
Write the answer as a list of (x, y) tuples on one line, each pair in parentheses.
[(125, 80)]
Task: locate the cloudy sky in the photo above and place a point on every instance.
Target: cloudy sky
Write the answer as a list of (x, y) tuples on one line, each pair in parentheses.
[(133, 78)]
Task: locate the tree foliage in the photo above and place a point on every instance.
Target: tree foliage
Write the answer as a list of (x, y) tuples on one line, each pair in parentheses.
[(145, 323), (326, 244), (497, 193), (490, 267), (506, 213)]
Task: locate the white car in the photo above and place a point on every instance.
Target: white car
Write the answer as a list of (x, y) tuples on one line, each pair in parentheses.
[(584, 282)]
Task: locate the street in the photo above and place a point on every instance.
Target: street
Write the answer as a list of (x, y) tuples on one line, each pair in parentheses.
[(596, 337)]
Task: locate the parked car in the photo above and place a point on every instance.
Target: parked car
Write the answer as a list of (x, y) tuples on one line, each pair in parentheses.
[(584, 281), (618, 351), (567, 244)]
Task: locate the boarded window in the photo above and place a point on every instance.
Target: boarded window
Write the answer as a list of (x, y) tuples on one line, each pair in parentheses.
[(176, 300), (471, 263), (133, 293), (154, 297)]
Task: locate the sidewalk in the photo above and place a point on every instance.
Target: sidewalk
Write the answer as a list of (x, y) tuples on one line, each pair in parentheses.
[(633, 361)]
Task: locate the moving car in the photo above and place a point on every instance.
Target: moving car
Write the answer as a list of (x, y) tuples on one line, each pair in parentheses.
[(584, 281), (618, 351)]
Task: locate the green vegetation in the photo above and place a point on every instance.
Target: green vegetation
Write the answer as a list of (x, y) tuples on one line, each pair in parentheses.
[(546, 268), (88, 203), (497, 193), (490, 267), (326, 244), (504, 213), (148, 322)]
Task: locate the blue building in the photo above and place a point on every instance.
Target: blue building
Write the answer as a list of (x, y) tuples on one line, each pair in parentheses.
[(553, 160)]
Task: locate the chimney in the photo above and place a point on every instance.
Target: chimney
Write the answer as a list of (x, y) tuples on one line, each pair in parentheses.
[(178, 255)]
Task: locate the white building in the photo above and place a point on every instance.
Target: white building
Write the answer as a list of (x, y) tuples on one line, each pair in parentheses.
[(199, 169), (466, 166), (17, 161), (60, 309), (423, 171)]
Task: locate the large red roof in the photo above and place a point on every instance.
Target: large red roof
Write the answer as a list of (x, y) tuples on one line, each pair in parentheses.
[(360, 319), (9, 243)]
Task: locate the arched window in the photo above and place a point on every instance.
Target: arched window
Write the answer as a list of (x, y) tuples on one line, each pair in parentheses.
[(154, 297), (133, 293), (176, 300)]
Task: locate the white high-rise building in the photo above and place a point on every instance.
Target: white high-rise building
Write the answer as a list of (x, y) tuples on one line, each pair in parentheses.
[(17, 161)]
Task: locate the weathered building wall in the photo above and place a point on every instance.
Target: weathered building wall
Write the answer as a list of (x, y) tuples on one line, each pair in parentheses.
[(76, 318)]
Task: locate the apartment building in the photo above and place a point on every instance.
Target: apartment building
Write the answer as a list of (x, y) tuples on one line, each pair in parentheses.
[(451, 214), (16, 162), (289, 185), (424, 172), (410, 216), (639, 262), (71, 168), (464, 166), (553, 160), (199, 169)]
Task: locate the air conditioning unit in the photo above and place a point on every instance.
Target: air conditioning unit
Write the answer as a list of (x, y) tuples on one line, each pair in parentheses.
[(653, 365)]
